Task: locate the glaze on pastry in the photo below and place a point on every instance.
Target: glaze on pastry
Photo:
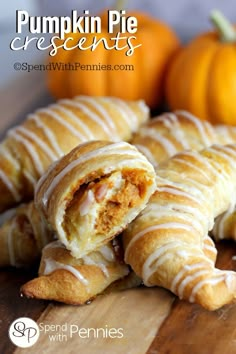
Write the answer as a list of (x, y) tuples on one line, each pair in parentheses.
[(170, 133), (92, 193), (75, 281), (51, 132), (167, 244)]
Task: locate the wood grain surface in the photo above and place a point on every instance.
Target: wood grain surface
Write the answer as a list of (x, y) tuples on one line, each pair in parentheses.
[(153, 321)]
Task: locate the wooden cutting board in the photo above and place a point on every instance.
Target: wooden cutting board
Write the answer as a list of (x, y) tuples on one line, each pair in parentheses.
[(151, 320)]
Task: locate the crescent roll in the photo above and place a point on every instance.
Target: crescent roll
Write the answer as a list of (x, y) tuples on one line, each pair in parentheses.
[(51, 132), (92, 193), (165, 245), (23, 236), (170, 133), (75, 281)]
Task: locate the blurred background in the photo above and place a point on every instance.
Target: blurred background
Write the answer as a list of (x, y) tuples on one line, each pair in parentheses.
[(187, 17)]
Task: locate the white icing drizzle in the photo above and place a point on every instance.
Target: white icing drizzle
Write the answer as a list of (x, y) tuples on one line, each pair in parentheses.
[(38, 141), (218, 228), (193, 167), (203, 161), (187, 268), (53, 114), (29, 148), (173, 118), (198, 124), (212, 281), (121, 110), (168, 212), (147, 152), (169, 225), (160, 256), (144, 108), (198, 214), (96, 104), (209, 245), (30, 178), (188, 279), (89, 114), (51, 265), (211, 131), (196, 275), (68, 113), (47, 132), (193, 188), (87, 203), (224, 132), (8, 183), (229, 279), (126, 108), (210, 248), (105, 151), (170, 120), (227, 149), (45, 176), (180, 207), (89, 261), (165, 120), (107, 253), (222, 154), (178, 192), (166, 144)]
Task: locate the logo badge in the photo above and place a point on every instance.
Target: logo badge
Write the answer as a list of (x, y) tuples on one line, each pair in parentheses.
[(24, 332)]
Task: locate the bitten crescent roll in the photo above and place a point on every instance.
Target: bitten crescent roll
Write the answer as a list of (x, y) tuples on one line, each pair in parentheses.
[(22, 237), (51, 132), (91, 194), (170, 133), (165, 244), (75, 281)]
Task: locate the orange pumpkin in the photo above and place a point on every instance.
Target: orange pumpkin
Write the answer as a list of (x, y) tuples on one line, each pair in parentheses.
[(202, 76), (149, 63)]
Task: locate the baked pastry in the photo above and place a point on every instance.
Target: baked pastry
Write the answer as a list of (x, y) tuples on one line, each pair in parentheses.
[(225, 226), (166, 244), (75, 281), (170, 133), (51, 132), (92, 193), (22, 237)]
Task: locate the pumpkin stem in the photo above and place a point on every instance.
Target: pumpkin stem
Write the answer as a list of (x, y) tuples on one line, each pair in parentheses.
[(224, 27), (120, 4)]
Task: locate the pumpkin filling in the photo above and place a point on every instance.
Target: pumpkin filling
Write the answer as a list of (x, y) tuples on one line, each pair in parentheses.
[(101, 208)]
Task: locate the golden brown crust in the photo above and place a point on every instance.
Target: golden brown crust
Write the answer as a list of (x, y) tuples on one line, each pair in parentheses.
[(22, 237), (51, 132), (167, 245), (92, 193), (63, 286), (171, 133)]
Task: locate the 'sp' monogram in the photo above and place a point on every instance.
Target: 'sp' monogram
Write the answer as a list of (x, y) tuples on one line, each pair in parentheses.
[(24, 332)]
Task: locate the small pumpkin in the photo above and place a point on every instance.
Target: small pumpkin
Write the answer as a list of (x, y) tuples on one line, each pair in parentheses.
[(202, 76), (149, 61)]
